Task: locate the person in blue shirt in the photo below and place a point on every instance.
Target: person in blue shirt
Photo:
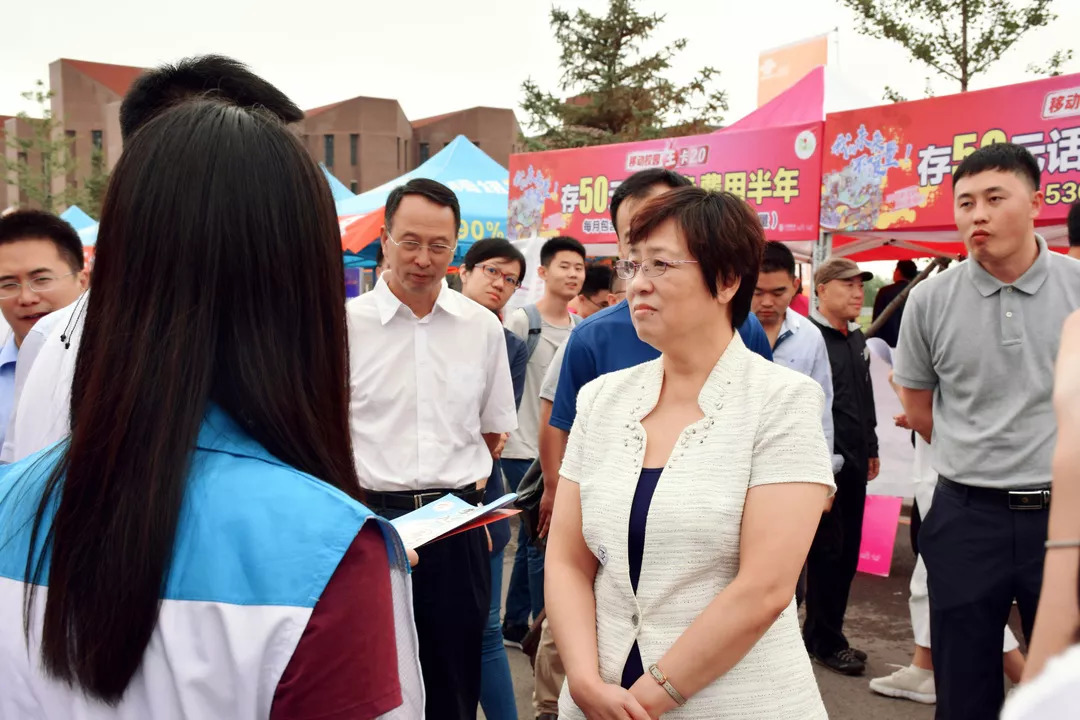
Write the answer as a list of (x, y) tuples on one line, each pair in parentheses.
[(607, 341), (41, 270), (796, 342), (490, 274)]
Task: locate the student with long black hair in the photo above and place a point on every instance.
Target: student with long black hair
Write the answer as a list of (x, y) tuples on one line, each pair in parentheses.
[(197, 548)]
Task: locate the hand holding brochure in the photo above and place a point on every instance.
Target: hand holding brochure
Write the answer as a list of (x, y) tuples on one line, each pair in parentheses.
[(447, 516)]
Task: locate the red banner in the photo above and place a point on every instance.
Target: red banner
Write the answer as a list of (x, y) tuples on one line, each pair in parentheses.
[(567, 192), (890, 167)]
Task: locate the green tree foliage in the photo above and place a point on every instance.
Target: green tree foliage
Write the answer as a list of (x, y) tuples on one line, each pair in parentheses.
[(46, 154), (958, 39), (616, 88)]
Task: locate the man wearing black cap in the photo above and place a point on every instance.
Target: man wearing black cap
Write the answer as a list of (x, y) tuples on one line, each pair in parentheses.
[(834, 554)]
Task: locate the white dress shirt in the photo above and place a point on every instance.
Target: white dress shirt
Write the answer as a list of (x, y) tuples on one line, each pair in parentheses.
[(424, 390), (41, 416)]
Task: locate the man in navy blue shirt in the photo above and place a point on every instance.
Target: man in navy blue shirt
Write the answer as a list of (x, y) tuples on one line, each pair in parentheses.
[(607, 341)]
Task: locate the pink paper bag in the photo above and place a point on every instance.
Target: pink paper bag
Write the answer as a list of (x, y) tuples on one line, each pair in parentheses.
[(879, 534)]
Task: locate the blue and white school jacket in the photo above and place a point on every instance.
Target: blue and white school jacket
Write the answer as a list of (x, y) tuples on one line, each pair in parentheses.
[(256, 545)]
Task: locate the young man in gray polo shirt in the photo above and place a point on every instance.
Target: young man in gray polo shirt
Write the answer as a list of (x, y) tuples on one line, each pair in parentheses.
[(975, 363)]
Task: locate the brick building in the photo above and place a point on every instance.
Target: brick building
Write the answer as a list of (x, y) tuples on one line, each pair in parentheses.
[(363, 141)]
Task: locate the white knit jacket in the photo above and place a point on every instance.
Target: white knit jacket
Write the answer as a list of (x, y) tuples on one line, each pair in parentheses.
[(762, 425)]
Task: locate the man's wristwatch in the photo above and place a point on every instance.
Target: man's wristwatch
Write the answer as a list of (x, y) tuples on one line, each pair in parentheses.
[(659, 676)]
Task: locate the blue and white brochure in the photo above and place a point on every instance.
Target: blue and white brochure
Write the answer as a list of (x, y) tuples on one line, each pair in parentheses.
[(444, 516)]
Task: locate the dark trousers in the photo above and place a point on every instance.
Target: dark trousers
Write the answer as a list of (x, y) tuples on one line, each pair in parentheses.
[(979, 556), (451, 602), (830, 566)]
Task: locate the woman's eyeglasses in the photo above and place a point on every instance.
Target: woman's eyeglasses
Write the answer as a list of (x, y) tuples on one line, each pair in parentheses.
[(653, 267)]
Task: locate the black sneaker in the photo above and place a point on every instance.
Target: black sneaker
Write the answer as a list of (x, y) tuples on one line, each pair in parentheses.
[(513, 635), (858, 653), (842, 661)]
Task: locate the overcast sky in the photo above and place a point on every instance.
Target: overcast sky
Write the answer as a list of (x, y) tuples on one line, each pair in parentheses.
[(435, 56)]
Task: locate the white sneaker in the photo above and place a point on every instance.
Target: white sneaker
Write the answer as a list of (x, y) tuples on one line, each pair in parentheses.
[(909, 683)]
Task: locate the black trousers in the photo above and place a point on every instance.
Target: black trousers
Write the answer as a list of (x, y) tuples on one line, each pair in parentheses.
[(451, 602), (979, 556), (830, 566)]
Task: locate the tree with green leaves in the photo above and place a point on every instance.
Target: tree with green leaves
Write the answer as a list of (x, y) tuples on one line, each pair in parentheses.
[(958, 39), (45, 154), (612, 89)]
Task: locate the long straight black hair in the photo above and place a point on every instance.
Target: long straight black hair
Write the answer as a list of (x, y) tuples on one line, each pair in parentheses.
[(219, 279)]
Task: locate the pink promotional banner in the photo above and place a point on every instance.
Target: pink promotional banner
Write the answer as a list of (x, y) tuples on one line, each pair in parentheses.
[(879, 534), (568, 192)]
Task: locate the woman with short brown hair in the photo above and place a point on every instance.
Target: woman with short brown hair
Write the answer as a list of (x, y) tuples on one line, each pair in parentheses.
[(696, 485)]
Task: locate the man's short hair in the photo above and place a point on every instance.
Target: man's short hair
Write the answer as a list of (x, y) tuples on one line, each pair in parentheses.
[(722, 233), (908, 269), (496, 248), (1007, 157), (433, 190), (556, 245), (214, 76), (597, 279), (638, 185), (39, 225), (777, 258), (1074, 224)]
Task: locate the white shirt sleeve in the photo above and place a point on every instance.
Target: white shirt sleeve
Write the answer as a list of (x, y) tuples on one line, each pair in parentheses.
[(28, 353)]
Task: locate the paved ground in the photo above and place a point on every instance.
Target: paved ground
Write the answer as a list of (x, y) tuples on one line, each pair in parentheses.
[(877, 622)]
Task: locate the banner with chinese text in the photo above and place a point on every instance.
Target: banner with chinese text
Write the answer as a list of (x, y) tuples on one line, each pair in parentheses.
[(890, 167), (567, 192)]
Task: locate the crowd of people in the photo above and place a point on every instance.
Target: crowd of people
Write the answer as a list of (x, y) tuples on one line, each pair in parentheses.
[(203, 454)]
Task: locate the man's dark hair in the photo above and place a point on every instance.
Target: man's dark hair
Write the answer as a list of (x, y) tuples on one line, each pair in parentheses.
[(40, 225), (777, 257), (556, 245), (1006, 157), (380, 258), (597, 279), (722, 233), (1074, 225), (638, 185), (493, 248), (433, 190), (908, 269), (214, 76)]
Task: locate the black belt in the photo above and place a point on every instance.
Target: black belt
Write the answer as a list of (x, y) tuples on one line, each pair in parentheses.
[(416, 499), (1033, 499)]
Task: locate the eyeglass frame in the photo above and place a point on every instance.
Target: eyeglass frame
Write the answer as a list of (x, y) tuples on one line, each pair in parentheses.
[(431, 248), (30, 283), (635, 266), (605, 305), (511, 280)]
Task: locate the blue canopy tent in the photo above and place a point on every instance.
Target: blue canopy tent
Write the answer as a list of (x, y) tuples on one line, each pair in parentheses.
[(337, 188), (481, 185), (86, 226)]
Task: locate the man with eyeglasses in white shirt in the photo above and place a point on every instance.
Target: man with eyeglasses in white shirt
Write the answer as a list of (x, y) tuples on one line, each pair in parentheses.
[(41, 270), (431, 397)]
